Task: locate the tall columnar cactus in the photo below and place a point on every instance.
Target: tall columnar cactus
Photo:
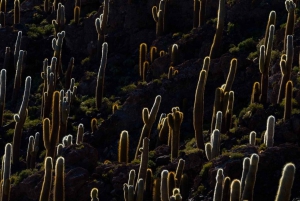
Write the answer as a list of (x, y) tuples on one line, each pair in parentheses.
[(68, 74), (57, 48), (50, 133), (286, 182), (264, 63), (269, 134), (145, 70), (156, 190), (142, 57), (101, 24), (17, 12), (144, 161), (199, 110), (271, 21), (196, 12), (94, 194), (229, 113), (205, 66), (174, 121), (202, 13), (59, 181), (216, 46), (123, 150), (171, 183), (164, 186), (17, 49), (153, 54), (6, 170), (101, 76), (6, 63), (218, 194), (250, 179), (286, 64), (64, 111), (2, 94), (219, 93), (158, 16), (59, 23), (140, 190), (174, 55), (235, 190), (212, 149), (46, 6), (226, 189), (94, 125), (76, 14), (219, 118), (20, 120), (252, 137), (290, 6), (184, 186), (149, 182), (288, 100), (18, 76), (3, 6), (148, 119), (80, 131), (47, 183), (32, 149), (246, 165), (179, 171), (163, 128), (255, 93), (231, 75)]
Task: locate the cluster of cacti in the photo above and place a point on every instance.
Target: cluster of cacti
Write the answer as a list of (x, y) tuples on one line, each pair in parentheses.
[(101, 26), (212, 149), (59, 23)]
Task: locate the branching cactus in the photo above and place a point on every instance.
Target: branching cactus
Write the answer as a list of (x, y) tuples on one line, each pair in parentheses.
[(216, 46), (101, 24), (6, 169), (2, 94), (235, 190), (290, 6), (250, 179), (67, 140), (20, 120), (59, 181), (158, 16), (212, 149), (94, 194), (271, 21), (269, 134), (174, 122), (286, 182), (57, 47), (288, 100), (80, 131), (18, 76), (286, 64), (47, 183), (264, 62), (17, 12), (199, 110), (101, 76), (252, 137), (59, 23), (218, 194), (123, 150), (148, 119), (255, 93)]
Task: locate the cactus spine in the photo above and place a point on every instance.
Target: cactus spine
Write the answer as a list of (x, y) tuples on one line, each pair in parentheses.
[(250, 179), (47, 183), (198, 110), (101, 76), (2, 94), (20, 120), (6, 170), (123, 147), (148, 120), (59, 181), (286, 182), (288, 101), (216, 46)]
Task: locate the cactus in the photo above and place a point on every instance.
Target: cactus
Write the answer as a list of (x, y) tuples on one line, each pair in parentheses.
[(153, 54), (6, 170), (174, 55), (216, 46), (288, 101), (123, 150), (32, 150), (206, 63), (156, 190), (286, 64), (264, 63), (231, 75), (59, 22), (57, 48), (148, 120), (6, 63), (226, 189), (18, 76), (235, 190), (76, 14), (229, 113), (269, 134), (144, 161), (94, 125), (101, 76), (59, 149), (164, 186), (2, 18), (271, 21), (142, 57), (199, 110), (252, 137), (140, 190), (246, 165), (219, 120), (163, 129), (46, 6), (202, 13), (149, 182), (217, 106), (145, 70), (290, 6), (64, 111), (94, 194), (17, 49), (79, 139), (158, 16), (179, 171), (3, 6), (59, 181), (286, 182), (184, 186), (174, 122), (101, 24), (20, 120), (47, 183), (16, 12), (68, 74), (171, 183), (250, 179), (196, 12), (218, 194), (2, 94), (255, 93)]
